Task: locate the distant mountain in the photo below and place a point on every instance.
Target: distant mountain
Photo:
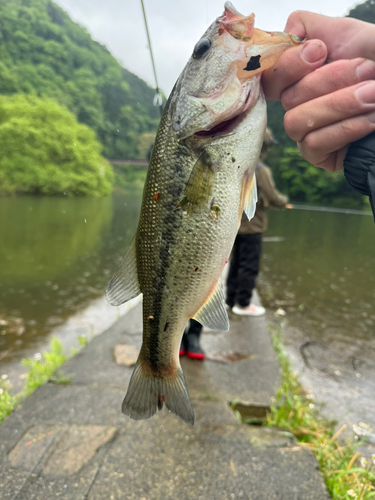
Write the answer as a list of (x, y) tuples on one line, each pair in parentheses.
[(43, 52)]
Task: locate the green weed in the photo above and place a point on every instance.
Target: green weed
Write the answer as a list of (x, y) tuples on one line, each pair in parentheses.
[(82, 340), (7, 401), (346, 473), (41, 370)]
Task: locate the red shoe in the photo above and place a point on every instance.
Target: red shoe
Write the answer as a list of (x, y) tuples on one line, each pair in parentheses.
[(195, 355), (193, 349)]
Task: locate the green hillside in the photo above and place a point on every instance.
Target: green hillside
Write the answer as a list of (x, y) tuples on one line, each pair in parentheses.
[(43, 52)]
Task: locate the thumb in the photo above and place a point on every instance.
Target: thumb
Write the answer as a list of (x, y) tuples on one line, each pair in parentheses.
[(293, 65)]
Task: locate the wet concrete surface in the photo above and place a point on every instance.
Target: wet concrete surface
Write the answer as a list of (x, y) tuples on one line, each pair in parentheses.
[(342, 385), (159, 458)]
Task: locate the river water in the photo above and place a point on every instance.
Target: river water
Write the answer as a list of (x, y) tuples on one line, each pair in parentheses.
[(318, 269), (58, 254)]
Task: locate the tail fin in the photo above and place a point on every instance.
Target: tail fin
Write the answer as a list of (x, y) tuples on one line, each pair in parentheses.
[(147, 394)]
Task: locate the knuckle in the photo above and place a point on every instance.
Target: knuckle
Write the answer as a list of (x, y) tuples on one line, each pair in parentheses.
[(289, 124), (304, 151), (347, 127), (310, 143), (313, 148), (309, 150), (288, 98)]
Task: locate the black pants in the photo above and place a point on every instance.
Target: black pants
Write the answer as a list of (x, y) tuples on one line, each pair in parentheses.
[(243, 269), (194, 327)]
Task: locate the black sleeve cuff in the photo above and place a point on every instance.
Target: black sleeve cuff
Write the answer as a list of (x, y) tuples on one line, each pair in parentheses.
[(359, 167)]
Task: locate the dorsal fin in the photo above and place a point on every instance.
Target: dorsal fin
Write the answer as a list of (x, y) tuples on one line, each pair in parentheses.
[(124, 285), (251, 197), (213, 314)]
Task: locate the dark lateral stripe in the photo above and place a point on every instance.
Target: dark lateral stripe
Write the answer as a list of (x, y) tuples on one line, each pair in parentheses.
[(168, 223)]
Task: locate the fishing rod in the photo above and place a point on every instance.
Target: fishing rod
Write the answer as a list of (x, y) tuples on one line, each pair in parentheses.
[(158, 100), (328, 209)]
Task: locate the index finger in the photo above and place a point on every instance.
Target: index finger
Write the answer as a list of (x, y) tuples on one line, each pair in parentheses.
[(345, 37)]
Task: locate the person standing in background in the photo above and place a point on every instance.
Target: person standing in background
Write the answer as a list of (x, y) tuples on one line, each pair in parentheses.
[(247, 248)]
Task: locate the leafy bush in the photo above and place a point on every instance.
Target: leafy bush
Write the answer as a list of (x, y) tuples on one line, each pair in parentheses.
[(45, 150), (306, 183)]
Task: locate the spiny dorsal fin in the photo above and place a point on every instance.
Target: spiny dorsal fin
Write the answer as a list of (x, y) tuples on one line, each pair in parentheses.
[(251, 198), (124, 285), (213, 314)]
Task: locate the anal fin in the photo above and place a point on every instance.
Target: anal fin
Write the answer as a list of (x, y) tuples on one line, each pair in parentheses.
[(124, 285), (213, 314)]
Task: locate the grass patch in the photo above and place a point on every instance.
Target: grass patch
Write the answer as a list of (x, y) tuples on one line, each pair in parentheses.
[(40, 370), (7, 401), (346, 473)]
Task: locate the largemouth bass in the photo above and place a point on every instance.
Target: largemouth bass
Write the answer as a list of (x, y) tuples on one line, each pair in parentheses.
[(199, 181)]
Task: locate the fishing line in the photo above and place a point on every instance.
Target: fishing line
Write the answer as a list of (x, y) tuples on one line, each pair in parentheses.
[(329, 209), (158, 101)]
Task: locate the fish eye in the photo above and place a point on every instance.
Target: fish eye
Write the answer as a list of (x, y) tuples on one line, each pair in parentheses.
[(201, 48)]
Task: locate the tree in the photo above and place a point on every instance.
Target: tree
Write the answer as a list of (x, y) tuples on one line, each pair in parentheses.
[(43, 52), (364, 11), (45, 150), (306, 183)]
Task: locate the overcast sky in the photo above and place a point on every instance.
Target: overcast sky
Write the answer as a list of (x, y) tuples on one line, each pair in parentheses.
[(175, 26)]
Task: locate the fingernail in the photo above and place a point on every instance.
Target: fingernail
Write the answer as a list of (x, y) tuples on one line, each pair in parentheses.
[(313, 51), (366, 93), (365, 70), (371, 117)]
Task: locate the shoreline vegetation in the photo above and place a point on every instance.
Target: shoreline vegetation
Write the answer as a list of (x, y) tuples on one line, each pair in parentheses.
[(42, 368), (346, 473)]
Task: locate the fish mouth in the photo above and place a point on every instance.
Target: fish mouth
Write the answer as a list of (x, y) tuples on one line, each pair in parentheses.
[(223, 128), (228, 125)]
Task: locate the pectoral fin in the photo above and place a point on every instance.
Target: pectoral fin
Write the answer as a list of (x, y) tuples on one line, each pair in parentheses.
[(198, 191), (124, 285), (213, 314), (251, 197)]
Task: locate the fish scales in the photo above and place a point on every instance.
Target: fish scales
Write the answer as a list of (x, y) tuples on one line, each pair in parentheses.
[(199, 181)]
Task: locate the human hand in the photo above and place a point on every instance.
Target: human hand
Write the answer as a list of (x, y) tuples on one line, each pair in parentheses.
[(332, 106)]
